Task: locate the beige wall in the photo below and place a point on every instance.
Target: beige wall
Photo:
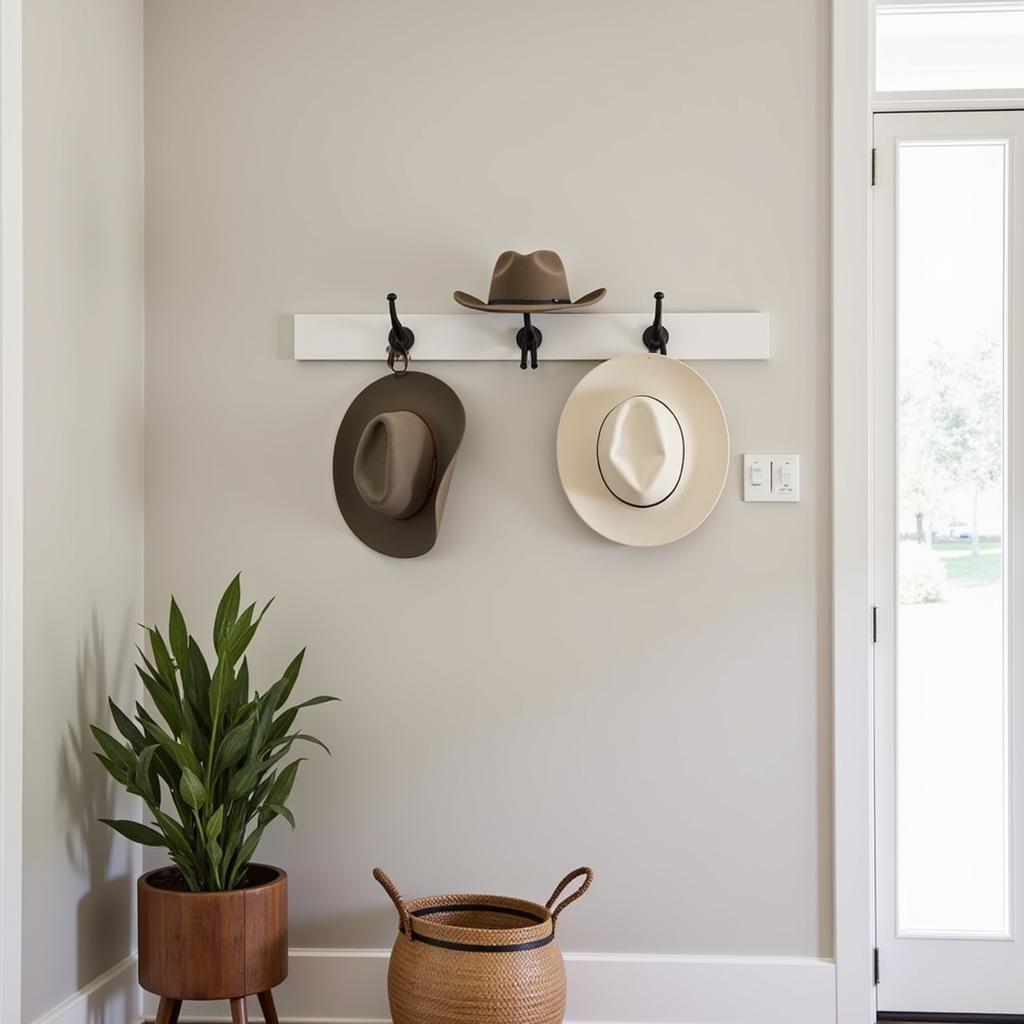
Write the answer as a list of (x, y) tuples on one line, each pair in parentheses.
[(528, 696), (84, 323)]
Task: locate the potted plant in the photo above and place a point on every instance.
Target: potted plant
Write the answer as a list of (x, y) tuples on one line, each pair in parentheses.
[(213, 776)]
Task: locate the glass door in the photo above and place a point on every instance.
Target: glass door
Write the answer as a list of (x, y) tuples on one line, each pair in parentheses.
[(949, 458)]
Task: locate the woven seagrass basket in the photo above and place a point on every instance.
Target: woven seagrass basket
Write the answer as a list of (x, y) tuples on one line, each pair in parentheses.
[(476, 959)]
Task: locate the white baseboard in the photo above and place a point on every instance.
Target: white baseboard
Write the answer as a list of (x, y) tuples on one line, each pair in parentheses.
[(112, 998), (349, 986)]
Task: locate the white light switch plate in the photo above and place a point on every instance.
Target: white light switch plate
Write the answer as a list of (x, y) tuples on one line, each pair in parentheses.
[(771, 477)]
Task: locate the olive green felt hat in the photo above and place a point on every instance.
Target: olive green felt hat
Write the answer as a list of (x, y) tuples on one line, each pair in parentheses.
[(534, 282), (393, 461)]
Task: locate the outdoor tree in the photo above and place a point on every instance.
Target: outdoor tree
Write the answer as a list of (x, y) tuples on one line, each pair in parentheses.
[(922, 485), (966, 412)]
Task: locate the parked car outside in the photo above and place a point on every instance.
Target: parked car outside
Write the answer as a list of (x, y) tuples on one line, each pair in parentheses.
[(956, 529)]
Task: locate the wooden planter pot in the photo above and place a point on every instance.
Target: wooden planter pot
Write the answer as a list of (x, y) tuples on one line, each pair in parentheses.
[(213, 945)]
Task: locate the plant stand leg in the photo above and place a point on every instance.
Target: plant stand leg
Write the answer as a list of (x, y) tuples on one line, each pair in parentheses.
[(267, 1006), (239, 1014), (169, 1010)]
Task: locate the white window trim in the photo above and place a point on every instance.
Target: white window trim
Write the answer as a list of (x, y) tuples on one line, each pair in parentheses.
[(933, 100), (11, 455), (936, 99)]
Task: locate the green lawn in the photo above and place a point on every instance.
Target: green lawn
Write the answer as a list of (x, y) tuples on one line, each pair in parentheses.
[(963, 570)]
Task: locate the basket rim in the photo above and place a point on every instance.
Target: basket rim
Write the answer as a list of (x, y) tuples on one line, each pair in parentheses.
[(537, 923)]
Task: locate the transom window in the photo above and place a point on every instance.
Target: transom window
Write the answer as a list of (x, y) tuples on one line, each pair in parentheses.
[(949, 47)]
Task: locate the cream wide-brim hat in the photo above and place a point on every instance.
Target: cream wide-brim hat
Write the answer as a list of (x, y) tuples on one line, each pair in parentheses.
[(705, 434)]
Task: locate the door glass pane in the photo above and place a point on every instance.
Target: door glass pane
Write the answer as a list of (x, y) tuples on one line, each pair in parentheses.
[(952, 781), (951, 46)]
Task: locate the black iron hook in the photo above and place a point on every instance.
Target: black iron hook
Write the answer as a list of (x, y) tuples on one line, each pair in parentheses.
[(528, 339), (400, 339), (656, 336)]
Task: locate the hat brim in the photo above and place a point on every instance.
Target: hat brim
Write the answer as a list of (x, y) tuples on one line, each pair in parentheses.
[(472, 302), (705, 465), (438, 404)]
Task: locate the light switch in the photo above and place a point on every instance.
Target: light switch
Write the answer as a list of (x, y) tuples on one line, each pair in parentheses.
[(757, 478), (786, 477), (771, 477)]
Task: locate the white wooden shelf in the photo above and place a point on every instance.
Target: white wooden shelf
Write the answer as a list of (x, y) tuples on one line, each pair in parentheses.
[(491, 336)]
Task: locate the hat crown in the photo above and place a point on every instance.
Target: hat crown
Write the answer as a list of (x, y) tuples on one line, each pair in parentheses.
[(531, 277), (640, 451), (395, 464)]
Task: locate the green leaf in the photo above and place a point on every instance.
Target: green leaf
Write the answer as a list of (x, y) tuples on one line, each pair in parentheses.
[(190, 876), (245, 854), (282, 788), (235, 648), (126, 727), (299, 736), (182, 754), (200, 671), (242, 684), (193, 731), (215, 824), (119, 772), (279, 693), (277, 809), (323, 699), (143, 781), (165, 703), (175, 834), (244, 621), (152, 729), (234, 745), (227, 613), (264, 717), (234, 829), (243, 781), (259, 795), (165, 667), (178, 634), (282, 724), (149, 666), (195, 678), (192, 789), (142, 715), (116, 752), (222, 688), (266, 763), (215, 852), (136, 832)]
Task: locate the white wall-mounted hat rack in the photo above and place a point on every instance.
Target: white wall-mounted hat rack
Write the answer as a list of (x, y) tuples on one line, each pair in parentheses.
[(354, 337)]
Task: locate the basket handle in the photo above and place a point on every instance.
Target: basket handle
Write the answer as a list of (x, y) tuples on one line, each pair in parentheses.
[(560, 888), (404, 921)]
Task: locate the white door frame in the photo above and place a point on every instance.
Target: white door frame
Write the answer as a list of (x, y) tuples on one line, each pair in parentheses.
[(853, 790), (853, 104), (11, 455)]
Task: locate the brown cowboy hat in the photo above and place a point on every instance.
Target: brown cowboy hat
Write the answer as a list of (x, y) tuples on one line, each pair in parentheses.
[(393, 461), (532, 283)]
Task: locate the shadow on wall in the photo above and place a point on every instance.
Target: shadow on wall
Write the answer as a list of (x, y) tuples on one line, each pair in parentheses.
[(115, 1004), (85, 794)]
